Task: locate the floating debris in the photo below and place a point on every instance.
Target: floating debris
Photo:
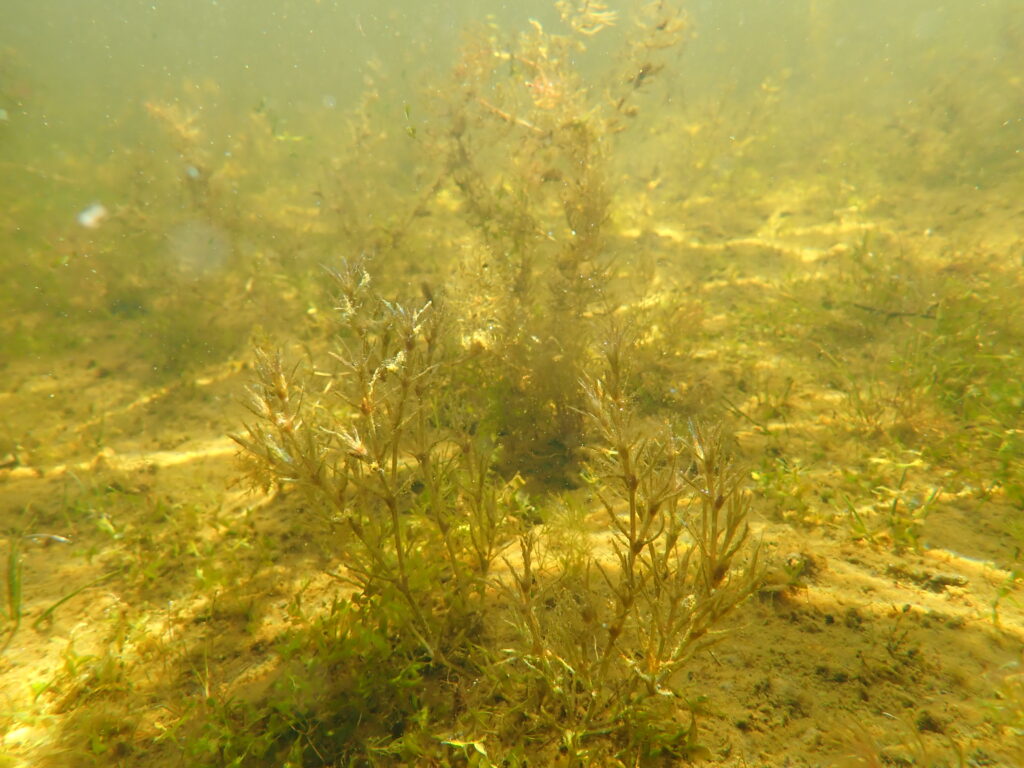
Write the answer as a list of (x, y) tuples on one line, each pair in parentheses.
[(93, 216), (47, 538)]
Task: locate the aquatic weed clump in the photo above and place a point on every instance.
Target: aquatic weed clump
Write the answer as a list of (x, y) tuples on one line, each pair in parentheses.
[(527, 145), (379, 450), (416, 438), (450, 559)]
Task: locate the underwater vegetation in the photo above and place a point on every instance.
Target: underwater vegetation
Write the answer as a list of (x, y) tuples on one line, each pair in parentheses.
[(417, 438), (442, 554), (603, 395)]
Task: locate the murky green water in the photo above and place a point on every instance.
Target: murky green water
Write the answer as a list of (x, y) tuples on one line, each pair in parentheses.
[(798, 221)]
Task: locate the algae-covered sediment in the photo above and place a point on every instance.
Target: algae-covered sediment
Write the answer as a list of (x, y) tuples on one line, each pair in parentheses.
[(585, 385)]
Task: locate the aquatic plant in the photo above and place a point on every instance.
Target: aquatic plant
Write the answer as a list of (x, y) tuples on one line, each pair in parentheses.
[(527, 143), (378, 451), (13, 580), (384, 446), (412, 442), (605, 663)]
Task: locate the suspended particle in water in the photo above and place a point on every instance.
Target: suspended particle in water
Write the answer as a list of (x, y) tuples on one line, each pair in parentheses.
[(92, 216)]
